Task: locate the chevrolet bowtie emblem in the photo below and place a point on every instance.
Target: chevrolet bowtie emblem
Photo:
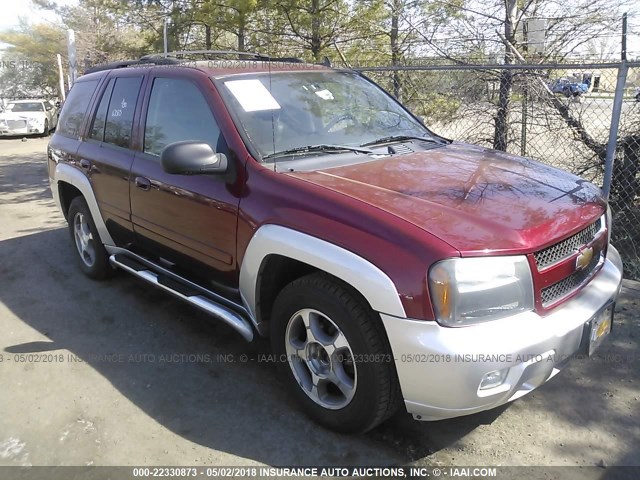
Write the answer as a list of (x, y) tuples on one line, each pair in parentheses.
[(584, 258)]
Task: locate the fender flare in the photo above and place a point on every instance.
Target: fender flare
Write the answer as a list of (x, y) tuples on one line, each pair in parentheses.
[(372, 283), (68, 174)]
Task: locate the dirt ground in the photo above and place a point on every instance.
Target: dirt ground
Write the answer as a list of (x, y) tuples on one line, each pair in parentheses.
[(112, 373)]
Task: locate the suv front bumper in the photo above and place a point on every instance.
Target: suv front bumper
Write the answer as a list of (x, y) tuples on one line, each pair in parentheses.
[(440, 368)]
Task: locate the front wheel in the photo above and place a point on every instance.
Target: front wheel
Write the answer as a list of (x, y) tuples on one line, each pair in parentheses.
[(334, 354), (45, 130), (94, 260)]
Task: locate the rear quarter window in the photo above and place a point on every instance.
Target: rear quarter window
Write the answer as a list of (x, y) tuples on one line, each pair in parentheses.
[(75, 108)]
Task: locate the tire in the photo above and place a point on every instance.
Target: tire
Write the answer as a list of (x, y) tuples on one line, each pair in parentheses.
[(45, 131), (308, 315), (91, 254)]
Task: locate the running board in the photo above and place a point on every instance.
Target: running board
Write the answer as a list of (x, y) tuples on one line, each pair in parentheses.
[(184, 292)]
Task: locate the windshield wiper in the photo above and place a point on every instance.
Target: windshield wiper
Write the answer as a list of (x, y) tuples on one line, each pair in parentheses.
[(397, 138), (317, 148)]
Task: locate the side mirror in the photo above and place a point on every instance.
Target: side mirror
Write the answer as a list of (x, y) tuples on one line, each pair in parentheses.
[(192, 158)]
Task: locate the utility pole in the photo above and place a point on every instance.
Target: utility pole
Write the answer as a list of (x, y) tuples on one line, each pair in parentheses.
[(166, 40), (61, 75), (73, 62)]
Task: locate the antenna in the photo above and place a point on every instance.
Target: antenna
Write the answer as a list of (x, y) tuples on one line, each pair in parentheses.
[(273, 126), (344, 60)]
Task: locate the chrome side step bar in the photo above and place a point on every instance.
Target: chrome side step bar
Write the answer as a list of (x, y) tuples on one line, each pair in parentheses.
[(184, 292)]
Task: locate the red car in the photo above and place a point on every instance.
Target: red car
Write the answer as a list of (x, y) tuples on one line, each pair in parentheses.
[(388, 265)]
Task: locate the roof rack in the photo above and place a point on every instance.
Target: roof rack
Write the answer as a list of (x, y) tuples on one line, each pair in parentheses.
[(146, 60), (170, 58), (241, 55)]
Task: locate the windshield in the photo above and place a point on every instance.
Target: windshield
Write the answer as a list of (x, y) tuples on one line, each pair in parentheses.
[(297, 109), (25, 107)]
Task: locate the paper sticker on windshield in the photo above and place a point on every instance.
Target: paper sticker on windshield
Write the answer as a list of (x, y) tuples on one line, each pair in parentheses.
[(252, 95), (325, 94)]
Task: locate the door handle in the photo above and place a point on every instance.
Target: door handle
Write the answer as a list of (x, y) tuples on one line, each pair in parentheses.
[(142, 183), (86, 164)]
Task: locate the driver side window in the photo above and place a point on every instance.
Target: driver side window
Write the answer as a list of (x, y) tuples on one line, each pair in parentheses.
[(177, 112)]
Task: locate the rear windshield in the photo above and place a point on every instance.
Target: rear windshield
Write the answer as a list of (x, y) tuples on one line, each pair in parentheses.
[(25, 107), (75, 108)]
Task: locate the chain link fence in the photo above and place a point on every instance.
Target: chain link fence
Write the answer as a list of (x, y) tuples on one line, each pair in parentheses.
[(558, 114)]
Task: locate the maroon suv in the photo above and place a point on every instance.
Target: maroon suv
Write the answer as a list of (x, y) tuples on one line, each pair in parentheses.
[(387, 264)]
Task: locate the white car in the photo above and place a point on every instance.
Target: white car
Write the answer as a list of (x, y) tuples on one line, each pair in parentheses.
[(28, 117)]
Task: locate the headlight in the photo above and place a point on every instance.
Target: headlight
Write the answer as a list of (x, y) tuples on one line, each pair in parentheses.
[(465, 291), (35, 122)]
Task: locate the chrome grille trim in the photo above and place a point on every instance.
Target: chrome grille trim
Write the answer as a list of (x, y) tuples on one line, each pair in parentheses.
[(564, 249), (570, 284)]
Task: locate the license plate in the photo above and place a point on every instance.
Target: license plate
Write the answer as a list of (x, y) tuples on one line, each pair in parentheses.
[(600, 328)]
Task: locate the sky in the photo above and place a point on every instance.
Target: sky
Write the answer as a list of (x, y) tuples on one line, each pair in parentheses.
[(12, 10)]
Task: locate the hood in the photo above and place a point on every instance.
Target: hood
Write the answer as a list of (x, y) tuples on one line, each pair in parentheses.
[(475, 199)]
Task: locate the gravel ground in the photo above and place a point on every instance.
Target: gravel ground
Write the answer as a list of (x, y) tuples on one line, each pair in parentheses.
[(100, 374)]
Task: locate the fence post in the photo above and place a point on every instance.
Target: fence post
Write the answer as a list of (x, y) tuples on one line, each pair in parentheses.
[(523, 130), (613, 130)]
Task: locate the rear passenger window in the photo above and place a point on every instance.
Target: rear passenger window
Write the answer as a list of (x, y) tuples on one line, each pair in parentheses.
[(97, 129), (119, 122), (178, 111), (75, 108)]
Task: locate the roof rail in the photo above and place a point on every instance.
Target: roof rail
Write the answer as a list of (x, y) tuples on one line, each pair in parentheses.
[(146, 60), (241, 55), (169, 58)]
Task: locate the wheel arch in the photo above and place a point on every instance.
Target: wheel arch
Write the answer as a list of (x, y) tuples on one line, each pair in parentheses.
[(277, 255), (67, 192), (69, 182)]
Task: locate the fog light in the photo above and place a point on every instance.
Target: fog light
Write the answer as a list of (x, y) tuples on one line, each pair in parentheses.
[(494, 379)]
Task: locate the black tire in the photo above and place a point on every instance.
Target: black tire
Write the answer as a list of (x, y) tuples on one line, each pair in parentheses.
[(45, 132), (96, 266), (377, 394)]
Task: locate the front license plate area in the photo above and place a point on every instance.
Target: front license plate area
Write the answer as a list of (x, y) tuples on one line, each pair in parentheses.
[(600, 326)]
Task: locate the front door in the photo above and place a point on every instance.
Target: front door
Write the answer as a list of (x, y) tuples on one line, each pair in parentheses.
[(188, 220)]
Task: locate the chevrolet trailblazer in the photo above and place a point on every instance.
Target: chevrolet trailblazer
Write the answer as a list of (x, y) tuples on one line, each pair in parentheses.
[(304, 203)]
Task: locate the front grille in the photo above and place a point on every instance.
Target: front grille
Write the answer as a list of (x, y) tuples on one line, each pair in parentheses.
[(566, 248), (564, 287), (14, 124)]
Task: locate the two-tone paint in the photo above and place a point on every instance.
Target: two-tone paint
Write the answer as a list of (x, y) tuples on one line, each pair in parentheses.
[(377, 225)]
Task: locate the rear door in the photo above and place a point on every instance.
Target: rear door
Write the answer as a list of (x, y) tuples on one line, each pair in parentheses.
[(106, 153), (187, 220)]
